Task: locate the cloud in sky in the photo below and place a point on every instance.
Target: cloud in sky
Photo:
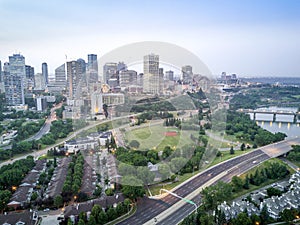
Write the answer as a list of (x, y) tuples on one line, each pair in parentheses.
[(243, 37)]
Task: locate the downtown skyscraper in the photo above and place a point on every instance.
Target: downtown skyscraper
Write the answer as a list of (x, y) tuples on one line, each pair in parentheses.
[(45, 72), (75, 73), (151, 78), (92, 68), (60, 76), (14, 80)]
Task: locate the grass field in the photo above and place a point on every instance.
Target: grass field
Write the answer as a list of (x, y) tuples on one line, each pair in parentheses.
[(153, 137), (226, 155)]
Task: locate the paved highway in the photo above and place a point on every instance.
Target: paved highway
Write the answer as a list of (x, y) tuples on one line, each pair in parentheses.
[(148, 209), (46, 127)]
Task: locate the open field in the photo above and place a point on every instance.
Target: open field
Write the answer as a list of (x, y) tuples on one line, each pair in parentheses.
[(154, 137)]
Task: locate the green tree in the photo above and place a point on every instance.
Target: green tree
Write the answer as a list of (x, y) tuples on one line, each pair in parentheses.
[(70, 222), (215, 195), (287, 215), (81, 222), (144, 174), (92, 220), (98, 191), (242, 218), (134, 144), (264, 215), (82, 216), (273, 192), (111, 214), (166, 152), (243, 146), (109, 192), (237, 183), (246, 184), (177, 164), (130, 191), (121, 209), (164, 171), (126, 170), (102, 218), (231, 150), (58, 201), (34, 196), (255, 219), (4, 198)]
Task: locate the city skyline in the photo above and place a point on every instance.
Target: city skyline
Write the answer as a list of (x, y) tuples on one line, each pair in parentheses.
[(249, 38)]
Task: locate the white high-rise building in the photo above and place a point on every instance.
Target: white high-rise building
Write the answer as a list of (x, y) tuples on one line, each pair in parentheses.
[(39, 80), (14, 80), (151, 78)]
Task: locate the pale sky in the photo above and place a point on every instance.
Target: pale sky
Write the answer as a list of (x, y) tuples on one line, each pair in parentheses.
[(249, 37)]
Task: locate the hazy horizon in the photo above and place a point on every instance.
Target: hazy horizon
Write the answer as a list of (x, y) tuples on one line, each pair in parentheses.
[(248, 38)]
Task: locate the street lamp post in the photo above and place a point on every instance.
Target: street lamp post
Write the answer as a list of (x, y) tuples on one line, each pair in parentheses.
[(184, 199)]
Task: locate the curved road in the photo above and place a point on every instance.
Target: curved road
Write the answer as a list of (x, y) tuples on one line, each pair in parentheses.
[(165, 210), (72, 135), (149, 208)]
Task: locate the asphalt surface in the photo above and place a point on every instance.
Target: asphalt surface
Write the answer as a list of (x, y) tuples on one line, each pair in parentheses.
[(149, 208)]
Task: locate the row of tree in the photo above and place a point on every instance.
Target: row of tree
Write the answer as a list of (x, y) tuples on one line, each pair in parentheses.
[(11, 175), (294, 154), (244, 128), (99, 216), (73, 180)]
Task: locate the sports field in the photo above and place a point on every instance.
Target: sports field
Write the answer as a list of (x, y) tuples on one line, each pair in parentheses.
[(158, 136)]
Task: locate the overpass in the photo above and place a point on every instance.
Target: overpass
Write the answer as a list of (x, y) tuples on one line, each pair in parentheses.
[(167, 209), (274, 113), (280, 148)]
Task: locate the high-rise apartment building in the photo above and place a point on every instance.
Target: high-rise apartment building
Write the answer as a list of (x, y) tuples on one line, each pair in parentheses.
[(187, 73), (29, 72), (110, 71), (127, 77), (151, 79), (17, 66), (5, 68), (0, 71), (75, 72), (14, 79), (82, 65), (40, 83), (45, 72), (169, 75), (121, 66), (60, 76)]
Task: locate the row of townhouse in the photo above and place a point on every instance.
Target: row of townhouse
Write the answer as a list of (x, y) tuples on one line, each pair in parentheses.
[(59, 175), (22, 195), (276, 204)]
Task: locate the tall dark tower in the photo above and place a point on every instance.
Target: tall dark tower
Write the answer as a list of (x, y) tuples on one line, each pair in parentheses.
[(45, 72), (92, 68)]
